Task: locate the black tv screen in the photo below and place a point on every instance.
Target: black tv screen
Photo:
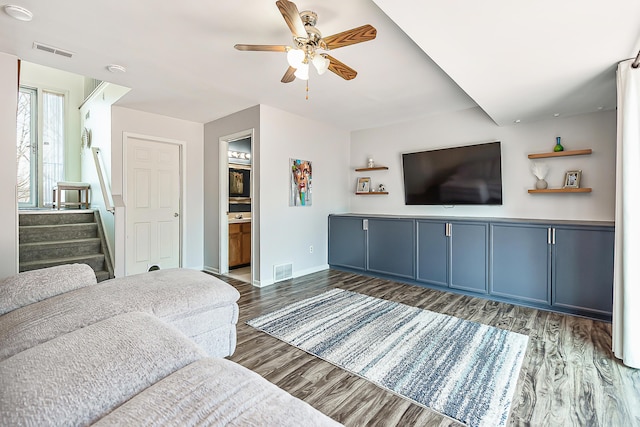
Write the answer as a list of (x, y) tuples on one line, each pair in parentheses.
[(468, 175)]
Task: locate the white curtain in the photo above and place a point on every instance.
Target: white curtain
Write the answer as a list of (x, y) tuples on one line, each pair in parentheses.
[(626, 282)]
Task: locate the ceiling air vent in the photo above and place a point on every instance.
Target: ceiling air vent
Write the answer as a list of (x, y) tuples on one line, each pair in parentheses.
[(51, 49)]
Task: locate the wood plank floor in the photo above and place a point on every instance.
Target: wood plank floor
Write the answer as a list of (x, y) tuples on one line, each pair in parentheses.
[(569, 376)]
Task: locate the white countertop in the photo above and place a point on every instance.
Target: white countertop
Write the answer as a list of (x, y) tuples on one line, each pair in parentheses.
[(238, 220)]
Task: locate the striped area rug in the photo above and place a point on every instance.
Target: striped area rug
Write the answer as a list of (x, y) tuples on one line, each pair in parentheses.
[(462, 369)]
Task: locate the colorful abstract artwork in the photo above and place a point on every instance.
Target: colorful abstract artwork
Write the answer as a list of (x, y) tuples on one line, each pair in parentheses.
[(300, 193)]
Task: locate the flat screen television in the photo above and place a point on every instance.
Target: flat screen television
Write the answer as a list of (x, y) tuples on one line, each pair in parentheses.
[(467, 175)]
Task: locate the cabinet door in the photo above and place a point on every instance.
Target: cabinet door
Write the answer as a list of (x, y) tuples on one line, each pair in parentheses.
[(347, 242), (521, 262), (246, 243), (432, 253), (583, 269), (468, 259), (235, 245), (390, 248)]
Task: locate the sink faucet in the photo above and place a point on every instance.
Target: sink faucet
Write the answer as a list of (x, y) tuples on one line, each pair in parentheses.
[(238, 216)]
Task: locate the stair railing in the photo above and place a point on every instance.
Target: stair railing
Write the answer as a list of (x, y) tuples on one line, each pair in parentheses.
[(104, 184)]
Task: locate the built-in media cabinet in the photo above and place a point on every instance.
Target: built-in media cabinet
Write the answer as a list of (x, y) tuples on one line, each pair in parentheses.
[(562, 266)]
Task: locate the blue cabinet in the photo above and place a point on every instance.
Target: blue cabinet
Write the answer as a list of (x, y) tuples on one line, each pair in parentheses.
[(583, 269), (521, 262), (379, 245), (562, 267), (347, 242), (453, 254), (390, 247), (433, 252), (468, 259)]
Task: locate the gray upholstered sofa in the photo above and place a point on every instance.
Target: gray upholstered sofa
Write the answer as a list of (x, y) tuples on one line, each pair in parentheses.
[(139, 350)]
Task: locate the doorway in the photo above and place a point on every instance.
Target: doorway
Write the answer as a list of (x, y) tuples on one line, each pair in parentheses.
[(153, 190), (236, 228)]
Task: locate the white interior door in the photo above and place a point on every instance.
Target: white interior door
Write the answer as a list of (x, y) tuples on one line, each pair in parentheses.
[(153, 177)]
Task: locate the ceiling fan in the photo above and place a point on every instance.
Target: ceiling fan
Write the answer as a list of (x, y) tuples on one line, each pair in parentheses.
[(308, 42)]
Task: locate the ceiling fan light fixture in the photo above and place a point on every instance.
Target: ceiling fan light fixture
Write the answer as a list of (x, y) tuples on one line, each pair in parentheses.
[(302, 72), (308, 41), (321, 63), (295, 57)]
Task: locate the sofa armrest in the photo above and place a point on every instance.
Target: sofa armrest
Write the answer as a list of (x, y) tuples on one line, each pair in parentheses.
[(32, 286)]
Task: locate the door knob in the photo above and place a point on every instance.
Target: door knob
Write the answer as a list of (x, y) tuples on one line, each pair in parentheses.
[(176, 215)]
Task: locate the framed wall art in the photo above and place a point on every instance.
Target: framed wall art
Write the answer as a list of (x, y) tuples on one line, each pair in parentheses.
[(572, 179), (300, 185), (363, 185)]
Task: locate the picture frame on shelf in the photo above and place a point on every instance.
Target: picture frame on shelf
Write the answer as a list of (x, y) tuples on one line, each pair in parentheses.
[(363, 185), (572, 179)]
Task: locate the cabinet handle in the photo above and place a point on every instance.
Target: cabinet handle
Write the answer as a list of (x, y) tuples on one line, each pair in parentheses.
[(447, 229), (548, 235), (553, 236), (365, 224)]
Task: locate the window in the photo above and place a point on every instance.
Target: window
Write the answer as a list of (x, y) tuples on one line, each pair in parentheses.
[(27, 147), (40, 164), (52, 143)]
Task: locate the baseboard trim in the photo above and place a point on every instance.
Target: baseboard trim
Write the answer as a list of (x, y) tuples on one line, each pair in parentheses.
[(299, 273), (211, 269)]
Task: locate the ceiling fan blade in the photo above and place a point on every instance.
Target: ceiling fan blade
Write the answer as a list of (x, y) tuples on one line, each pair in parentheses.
[(288, 75), (291, 16), (262, 47), (340, 69), (349, 37)]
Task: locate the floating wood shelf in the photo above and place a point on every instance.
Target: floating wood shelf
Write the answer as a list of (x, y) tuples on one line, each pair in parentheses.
[(377, 168), (372, 192), (562, 190), (561, 153)]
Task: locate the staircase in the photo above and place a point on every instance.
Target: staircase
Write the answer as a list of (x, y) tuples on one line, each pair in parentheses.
[(49, 238)]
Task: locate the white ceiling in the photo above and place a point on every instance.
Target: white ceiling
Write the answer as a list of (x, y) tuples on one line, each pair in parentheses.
[(515, 59)]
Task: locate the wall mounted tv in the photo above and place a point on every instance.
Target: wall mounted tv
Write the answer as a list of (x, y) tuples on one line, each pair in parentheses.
[(467, 175)]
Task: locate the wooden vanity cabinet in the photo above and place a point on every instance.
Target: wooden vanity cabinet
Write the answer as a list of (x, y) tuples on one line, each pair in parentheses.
[(239, 244)]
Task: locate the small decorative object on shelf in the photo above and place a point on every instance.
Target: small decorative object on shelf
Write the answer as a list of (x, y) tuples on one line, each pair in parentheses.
[(364, 185), (370, 163), (381, 188), (572, 179), (558, 146), (540, 170)]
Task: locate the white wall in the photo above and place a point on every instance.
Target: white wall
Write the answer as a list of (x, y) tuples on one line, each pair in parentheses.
[(596, 131), (8, 168), (238, 122), (138, 122), (287, 232), (95, 115)]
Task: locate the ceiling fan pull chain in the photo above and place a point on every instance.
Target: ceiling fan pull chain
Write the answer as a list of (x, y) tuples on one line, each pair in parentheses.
[(307, 97)]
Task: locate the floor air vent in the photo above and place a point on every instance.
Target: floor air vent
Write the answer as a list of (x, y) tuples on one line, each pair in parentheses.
[(282, 272)]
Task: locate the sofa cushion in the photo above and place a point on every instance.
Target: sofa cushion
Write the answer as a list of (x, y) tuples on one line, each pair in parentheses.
[(32, 286), (215, 392), (193, 301), (79, 377)]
